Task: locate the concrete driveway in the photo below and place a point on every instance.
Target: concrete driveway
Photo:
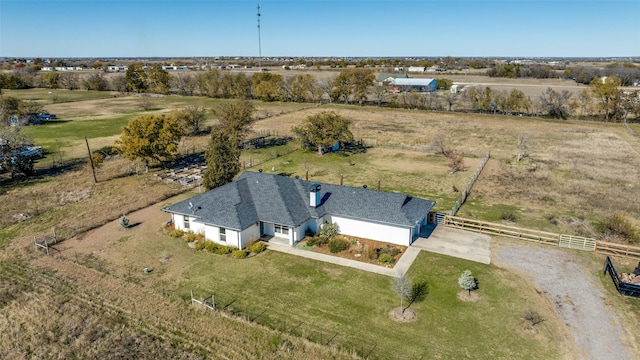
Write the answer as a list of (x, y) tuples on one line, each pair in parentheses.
[(455, 242)]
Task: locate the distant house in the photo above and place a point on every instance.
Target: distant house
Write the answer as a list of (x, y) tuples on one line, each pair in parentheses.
[(386, 78), (419, 85), (259, 204), (416, 69), (116, 68)]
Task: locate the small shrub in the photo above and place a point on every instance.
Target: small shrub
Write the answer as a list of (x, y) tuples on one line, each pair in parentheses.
[(176, 233), (240, 253), (314, 241), (328, 231), (210, 246), (386, 258), (258, 247), (618, 225), (124, 221), (168, 227), (309, 233), (372, 253), (222, 250), (390, 250), (252, 241), (191, 237), (509, 216), (337, 245), (532, 317), (200, 245)]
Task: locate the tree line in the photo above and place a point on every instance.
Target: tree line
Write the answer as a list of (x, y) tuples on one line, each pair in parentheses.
[(603, 99)]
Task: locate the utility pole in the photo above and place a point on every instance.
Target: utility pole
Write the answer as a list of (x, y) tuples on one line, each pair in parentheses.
[(259, 42), (93, 169)]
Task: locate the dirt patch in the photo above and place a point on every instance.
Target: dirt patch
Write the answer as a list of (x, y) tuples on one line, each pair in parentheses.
[(406, 316)]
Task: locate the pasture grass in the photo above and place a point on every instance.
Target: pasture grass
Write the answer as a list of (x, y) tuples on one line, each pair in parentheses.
[(50, 96)]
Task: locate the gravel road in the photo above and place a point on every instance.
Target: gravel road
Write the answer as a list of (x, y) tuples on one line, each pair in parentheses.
[(578, 299)]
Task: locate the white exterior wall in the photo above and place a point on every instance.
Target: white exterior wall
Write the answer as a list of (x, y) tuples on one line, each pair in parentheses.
[(212, 233), (247, 234), (380, 232)]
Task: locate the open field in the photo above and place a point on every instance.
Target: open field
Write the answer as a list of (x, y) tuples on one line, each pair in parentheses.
[(575, 173)]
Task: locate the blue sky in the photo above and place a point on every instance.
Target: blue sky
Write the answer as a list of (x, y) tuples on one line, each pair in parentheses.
[(145, 28)]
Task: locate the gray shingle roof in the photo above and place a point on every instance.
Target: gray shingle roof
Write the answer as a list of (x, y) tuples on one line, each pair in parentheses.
[(255, 197)]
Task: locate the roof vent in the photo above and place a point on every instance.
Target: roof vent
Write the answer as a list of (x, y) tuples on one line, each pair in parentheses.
[(259, 170), (364, 186)]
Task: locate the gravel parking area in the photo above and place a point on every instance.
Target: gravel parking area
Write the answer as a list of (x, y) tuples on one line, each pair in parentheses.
[(578, 299)]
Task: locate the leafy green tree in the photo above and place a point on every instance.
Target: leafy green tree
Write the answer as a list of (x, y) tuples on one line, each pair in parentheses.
[(157, 79), (444, 84), (150, 137), (51, 80), (323, 130), (236, 118), (302, 88), (267, 86), (353, 84), (223, 152), (208, 84), (136, 78), (223, 159), (609, 97), (467, 281)]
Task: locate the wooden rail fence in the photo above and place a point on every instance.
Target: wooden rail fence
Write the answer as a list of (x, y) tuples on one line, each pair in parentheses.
[(502, 230), (467, 190), (561, 240)]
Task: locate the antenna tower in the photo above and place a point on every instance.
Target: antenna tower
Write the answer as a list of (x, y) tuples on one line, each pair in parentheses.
[(259, 42)]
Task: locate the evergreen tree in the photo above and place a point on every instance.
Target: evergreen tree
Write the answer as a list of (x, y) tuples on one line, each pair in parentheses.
[(223, 159), (467, 281)]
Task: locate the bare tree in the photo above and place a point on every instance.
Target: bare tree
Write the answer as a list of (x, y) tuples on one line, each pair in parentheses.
[(523, 148), (439, 144), (401, 285), (555, 103)]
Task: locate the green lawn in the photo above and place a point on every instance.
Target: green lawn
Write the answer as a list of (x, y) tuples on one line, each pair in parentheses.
[(349, 308)]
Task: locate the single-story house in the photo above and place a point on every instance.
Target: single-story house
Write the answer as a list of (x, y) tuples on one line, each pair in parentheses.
[(420, 85), (259, 204)]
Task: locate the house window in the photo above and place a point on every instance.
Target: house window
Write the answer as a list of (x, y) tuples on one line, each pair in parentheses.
[(223, 234), (281, 229), (186, 222)]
